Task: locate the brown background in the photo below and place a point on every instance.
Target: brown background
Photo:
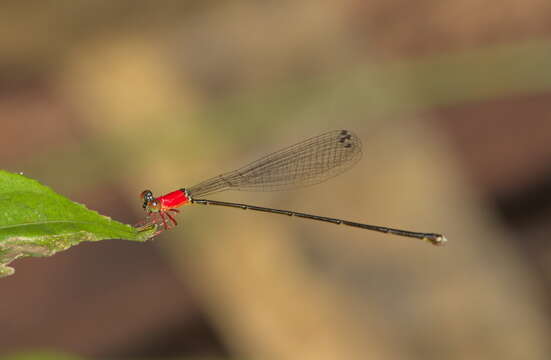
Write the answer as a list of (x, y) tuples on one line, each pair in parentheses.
[(101, 99)]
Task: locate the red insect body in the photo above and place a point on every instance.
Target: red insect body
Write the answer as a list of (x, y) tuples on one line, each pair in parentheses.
[(173, 200)]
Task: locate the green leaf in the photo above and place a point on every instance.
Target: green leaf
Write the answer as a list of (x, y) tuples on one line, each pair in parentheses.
[(36, 221)]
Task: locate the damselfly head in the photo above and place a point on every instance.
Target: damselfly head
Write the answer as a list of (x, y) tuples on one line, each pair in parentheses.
[(149, 201)]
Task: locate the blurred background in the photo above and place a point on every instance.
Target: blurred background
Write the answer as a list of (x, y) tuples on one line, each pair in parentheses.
[(101, 100)]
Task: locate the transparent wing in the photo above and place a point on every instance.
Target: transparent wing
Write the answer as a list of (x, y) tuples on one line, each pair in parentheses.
[(309, 162)]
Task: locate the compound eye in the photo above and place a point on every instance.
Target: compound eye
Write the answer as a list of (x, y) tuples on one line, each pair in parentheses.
[(147, 195)]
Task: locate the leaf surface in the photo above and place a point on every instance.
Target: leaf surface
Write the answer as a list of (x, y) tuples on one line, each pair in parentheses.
[(36, 221)]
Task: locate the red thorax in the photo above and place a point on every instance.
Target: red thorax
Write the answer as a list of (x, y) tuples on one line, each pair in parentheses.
[(173, 200)]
